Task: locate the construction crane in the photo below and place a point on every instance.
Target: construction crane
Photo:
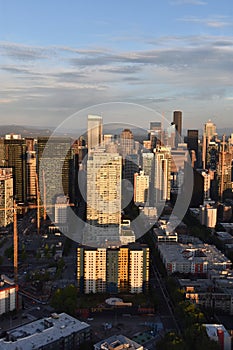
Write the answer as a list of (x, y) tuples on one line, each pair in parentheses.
[(223, 154), (15, 229)]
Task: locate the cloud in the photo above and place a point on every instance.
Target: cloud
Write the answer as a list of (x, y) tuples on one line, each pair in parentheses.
[(214, 22), (24, 52), (60, 80)]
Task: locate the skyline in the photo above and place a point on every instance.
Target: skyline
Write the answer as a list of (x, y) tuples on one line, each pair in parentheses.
[(57, 59)]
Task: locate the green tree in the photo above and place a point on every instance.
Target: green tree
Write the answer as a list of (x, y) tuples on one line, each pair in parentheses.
[(171, 341)]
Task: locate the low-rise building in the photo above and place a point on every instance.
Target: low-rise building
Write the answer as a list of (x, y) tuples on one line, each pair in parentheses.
[(192, 258), (60, 331), (118, 342), (8, 295), (219, 333)]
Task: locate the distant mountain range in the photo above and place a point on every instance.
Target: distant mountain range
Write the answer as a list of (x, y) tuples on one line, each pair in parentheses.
[(24, 131), (35, 131)]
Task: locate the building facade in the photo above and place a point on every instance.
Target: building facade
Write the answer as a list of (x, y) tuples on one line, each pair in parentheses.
[(6, 196), (113, 270)]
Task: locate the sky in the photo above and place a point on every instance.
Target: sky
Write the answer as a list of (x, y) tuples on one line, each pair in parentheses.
[(57, 57)]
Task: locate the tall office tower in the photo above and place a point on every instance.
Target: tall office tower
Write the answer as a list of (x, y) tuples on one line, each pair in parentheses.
[(192, 142), (15, 158), (130, 167), (6, 196), (141, 188), (210, 130), (212, 154), (104, 171), (155, 134), (94, 131), (61, 210), (224, 171), (30, 143), (52, 163), (208, 137), (113, 270), (31, 175), (126, 143), (177, 120), (171, 136), (148, 168), (162, 175)]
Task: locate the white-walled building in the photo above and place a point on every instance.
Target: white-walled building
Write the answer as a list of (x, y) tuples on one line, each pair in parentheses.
[(8, 295), (6, 196), (219, 333), (141, 188)]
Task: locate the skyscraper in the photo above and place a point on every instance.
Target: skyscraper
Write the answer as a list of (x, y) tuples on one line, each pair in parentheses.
[(94, 131), (31, 175), (126, 143), (6, 196), (104, 189), (15, 158), (192, 142), (210, 129), (162, 175), (177, 120), (148, 168), (52, 163), (208, 137), (155, 134), (224, 171), (141, 188)]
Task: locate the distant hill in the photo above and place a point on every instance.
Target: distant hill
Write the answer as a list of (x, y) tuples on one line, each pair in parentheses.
[(24, 131)]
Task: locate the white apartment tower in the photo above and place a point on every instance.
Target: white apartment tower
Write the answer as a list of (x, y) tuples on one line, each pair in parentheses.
[(31, 175), (141, 187), (162, 175), (6, 196), (104, 188)]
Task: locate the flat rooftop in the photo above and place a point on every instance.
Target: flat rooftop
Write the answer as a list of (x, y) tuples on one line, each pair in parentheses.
[(118, 342), (41, 332), (178, 252)]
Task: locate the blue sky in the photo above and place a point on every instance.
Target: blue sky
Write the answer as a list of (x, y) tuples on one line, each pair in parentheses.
[(57, 57)]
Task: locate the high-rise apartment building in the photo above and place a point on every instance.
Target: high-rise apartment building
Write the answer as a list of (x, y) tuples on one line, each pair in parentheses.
[(6, 196), (94, 131), (31, 175), (113, 270), (104, 189), (141, 188), (162, 175)]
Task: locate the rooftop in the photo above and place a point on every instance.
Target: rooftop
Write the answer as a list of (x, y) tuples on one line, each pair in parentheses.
[(42, 332), (118, 342)]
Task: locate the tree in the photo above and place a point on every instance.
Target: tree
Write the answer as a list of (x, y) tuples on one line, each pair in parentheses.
[(65, 300), (171, 341)]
